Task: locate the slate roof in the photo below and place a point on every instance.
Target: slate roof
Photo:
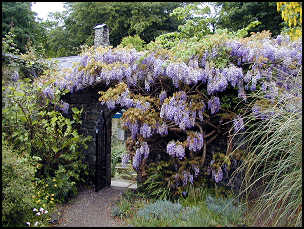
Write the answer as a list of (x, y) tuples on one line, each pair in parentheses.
[(67, 61)]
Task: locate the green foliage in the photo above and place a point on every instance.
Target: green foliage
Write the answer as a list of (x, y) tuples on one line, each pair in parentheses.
[(126, 206), (9, 43), (192, 28), (225, 207), (133, 42), (117, 150), (20, 17), (31, 63), (161, 209), (190, 211), (237, 15), (33, 125), (197, 25), (157, 183), (144, 19), (17, 186), (165, 213)]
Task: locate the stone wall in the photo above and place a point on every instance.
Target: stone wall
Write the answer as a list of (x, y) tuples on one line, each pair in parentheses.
[(88, 101)]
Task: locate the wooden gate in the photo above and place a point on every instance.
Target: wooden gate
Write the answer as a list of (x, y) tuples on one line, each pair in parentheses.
[(103, 151)]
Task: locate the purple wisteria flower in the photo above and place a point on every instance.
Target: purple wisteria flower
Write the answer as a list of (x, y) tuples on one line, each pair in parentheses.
[(269, 52), (163, 129), (241, 91), (171, 148), (125, 159), (185, 178), (110, 104), (217, 176), (214, 105), (158, 68), (195, 143), (133, 127), (204, 58), (162, 96), (137, 159), (141, 153), (49, 93), (177, 111), (84, 60), (238, 124), (196, 170), (65, 107), (179, 151), (175, 150), (146, 131), (234, 74)]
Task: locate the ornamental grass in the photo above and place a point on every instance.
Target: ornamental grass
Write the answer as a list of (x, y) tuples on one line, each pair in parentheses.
[(273, 162)]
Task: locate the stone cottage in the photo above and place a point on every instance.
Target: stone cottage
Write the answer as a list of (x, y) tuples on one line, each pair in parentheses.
[(96, 119)]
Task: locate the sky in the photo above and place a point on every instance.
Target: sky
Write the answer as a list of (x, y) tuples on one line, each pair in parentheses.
[(44, 8)]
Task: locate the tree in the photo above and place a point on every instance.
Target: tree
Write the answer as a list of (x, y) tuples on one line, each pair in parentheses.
[(237, 15), (18, 17), (146, 19), (292, 14)]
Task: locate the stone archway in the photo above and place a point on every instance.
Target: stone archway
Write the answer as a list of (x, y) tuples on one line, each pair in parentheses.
[(97, 123)]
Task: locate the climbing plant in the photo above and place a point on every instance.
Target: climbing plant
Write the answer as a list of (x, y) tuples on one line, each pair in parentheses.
[(179, 102)]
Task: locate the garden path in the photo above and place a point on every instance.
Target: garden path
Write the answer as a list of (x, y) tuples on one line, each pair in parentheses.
[(93, 209)]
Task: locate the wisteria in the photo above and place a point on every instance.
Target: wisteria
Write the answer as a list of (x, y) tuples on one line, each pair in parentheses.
[(141, 153), (162, 96), (180, 104), (125, 159), (187, 177), (163, 129), (15, 76), (175, 150), (65, 107), (146, 131), (214, 105), (238, 124), (176, 110), (217, 175), (195, 143)]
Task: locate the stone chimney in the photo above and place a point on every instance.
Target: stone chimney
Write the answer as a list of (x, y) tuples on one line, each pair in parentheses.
[(101, 35)]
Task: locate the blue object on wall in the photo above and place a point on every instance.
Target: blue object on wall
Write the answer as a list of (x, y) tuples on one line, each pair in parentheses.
[(117, 115)]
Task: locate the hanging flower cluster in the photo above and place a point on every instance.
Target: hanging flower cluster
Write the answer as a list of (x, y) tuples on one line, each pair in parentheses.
[(177, 101)]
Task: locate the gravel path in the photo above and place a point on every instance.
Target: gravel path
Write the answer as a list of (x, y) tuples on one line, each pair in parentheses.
[(92, 209)]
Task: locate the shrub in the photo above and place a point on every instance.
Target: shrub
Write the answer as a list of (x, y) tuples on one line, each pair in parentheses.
[(32, 124), (117, 150), (18, 174), (165, 213), (225, 208), (133, 42)]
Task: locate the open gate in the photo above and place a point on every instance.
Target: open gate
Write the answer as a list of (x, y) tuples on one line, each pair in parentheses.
[(103, 151)]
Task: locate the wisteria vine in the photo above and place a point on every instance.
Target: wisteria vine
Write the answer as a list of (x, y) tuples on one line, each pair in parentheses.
[(177, 101)]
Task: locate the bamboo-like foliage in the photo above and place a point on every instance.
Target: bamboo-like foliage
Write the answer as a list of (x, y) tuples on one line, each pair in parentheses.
[(273, 163)]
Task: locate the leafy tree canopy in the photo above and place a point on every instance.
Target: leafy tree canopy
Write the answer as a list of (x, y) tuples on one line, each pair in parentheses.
[(292, 14), (146, 19), (18, 17), (237, 15)]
